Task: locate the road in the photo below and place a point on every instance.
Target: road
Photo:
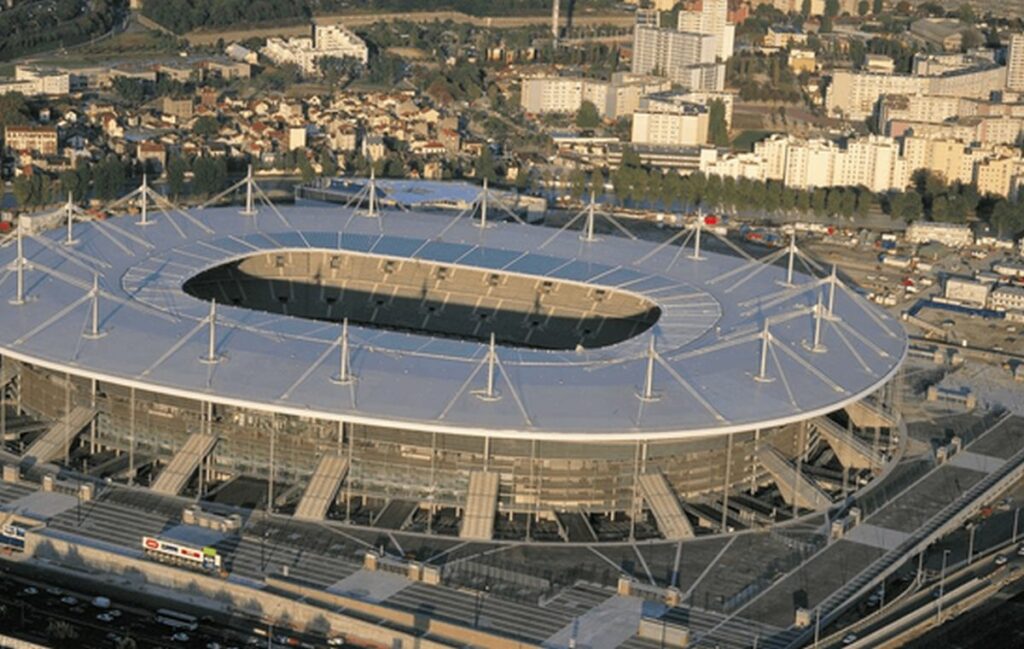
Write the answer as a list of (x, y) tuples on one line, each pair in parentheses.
[(208, 37)]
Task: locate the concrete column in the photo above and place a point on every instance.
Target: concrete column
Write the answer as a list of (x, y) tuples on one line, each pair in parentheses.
[(348, 479), (725, 487), (131, 436), (272, 468)]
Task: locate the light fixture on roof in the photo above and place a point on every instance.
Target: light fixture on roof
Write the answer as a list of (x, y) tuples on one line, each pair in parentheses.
[(762, 371), (490, 392)]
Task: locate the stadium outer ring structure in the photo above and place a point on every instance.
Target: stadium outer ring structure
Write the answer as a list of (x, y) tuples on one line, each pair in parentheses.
[(743, 354)]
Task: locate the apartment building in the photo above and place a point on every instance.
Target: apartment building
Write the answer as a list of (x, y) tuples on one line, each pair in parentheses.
[(855, 95), (38, 139), (688, 59), (613, 99), (324, 41), (31, 81), (682, 124), (710, 17), (1007, 298), (1015, 63)]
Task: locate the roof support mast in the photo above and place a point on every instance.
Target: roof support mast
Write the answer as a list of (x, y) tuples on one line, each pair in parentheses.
[(762, 371), (249, 207), (19, 265), (791, 258), (492, 357), (69, 216), (211, 349), (144, 194), (649, 374), (344, 366), (590, 219), (696, 238)]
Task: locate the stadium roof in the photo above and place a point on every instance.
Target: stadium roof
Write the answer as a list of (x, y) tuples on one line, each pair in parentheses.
[(713, 369)]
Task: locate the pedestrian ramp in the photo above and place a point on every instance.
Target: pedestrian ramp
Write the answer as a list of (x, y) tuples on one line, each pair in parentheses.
[(175, 476), (323, 488), (851, 451), (481, 503), (793, 485), (665, 506), (7, 373), (54, 443)]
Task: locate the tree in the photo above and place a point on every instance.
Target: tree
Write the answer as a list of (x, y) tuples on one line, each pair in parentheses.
[(587, 116), (718, 131), (328, 165), (876, 7), (109, 178), (831, 8), (966, 14), (907, 206), (22, 189), (863, 7), (176, 168), (306, 169), (209, 175), (206, 126), (577, 183), (485, 165), (132, 91), (13, 109)]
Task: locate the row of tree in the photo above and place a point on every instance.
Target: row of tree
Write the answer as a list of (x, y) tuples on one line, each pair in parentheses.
[(928, 198)]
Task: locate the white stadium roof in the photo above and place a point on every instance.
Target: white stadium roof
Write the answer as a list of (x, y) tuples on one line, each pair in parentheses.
[(709, 340)]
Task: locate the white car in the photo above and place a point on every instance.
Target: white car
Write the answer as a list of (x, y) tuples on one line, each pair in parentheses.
[(69, 600), (105, 617), (180, 636), (30, 590), (213, 645), (53, 590), (1001, 560), (849, 638)]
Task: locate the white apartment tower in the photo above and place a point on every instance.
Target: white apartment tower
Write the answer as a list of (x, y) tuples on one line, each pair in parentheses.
[(1015, 64), (710, 17), (684, 57)]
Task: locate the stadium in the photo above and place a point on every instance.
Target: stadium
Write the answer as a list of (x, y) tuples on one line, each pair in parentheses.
[(464, 375)]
